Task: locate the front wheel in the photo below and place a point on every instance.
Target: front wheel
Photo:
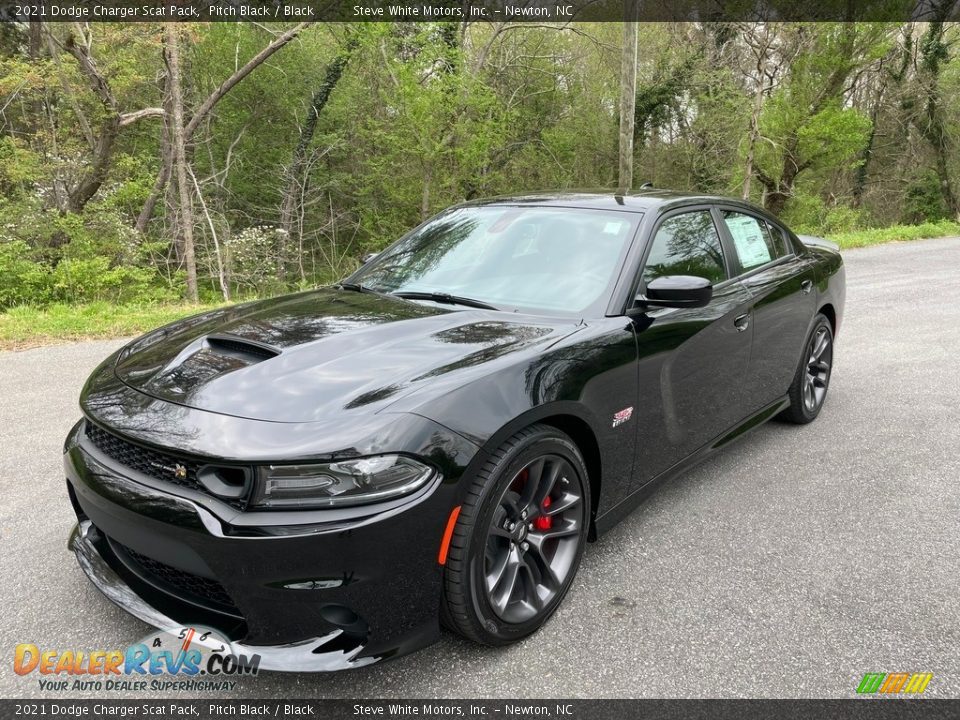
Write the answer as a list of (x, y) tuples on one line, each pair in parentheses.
[(809, 387), (518, 539)]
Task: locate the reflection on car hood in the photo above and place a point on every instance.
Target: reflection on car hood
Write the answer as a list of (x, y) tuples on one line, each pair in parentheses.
[(311, 356)]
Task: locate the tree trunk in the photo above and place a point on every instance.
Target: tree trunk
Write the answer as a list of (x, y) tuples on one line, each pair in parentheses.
[(863, 169), (102, 158), (425, 194), (946, 182), (296, 177), (754, 136), (166, 163), (628, 96), (177, 136)]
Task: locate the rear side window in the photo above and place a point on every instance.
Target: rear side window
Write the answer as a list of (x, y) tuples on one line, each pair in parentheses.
[(755, 242), (686, 244), (781, 239)]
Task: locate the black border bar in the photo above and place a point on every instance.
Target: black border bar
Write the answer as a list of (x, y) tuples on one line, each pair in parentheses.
[(892, 708), (513, 11)]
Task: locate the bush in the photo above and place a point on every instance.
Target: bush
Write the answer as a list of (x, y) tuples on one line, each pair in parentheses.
[(22, 280), (88, 280), (923, 200)]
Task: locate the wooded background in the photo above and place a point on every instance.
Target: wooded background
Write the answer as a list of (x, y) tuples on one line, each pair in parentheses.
[(148, 163)]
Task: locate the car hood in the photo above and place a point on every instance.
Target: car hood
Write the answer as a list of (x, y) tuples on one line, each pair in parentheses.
[(319, 354)]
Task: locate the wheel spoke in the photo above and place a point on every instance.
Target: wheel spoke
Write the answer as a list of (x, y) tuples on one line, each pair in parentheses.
[(547, 483), (547, 575), (495, 575), (511, 502), (567, 501), (821, 344), (532, 596), (508, 583), (538, 539), (534, 477)]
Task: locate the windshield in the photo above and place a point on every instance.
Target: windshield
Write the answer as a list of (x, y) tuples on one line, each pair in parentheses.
[(554, 259)]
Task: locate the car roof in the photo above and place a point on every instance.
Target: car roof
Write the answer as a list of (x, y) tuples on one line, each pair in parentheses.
[(638, 201)]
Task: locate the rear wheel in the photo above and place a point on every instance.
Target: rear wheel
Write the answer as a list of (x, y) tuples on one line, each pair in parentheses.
[(809, 388), (518, 539)]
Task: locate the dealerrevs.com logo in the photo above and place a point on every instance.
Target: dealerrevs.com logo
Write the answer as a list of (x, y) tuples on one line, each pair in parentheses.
[(189, 658), (894, 683)]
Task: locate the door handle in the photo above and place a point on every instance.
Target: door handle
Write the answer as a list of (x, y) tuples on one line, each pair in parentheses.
[(806, 286), (742, 322)]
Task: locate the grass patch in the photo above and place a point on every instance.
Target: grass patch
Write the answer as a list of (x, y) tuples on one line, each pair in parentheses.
[(26, 327), (894, 233)]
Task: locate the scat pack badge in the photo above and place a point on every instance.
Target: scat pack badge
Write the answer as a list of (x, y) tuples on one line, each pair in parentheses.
[(621, 417)]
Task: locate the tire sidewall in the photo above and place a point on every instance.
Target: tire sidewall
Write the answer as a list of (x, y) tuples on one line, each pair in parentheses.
[(496, 629)]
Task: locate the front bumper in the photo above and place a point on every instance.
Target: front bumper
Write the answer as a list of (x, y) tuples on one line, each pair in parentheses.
[(330, 594)]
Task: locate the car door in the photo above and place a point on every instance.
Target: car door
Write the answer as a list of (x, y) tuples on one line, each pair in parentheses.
[(691, 360), (781, 284)]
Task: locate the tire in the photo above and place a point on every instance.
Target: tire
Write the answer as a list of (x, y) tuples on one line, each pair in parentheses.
[(513, 556), (808, 391)]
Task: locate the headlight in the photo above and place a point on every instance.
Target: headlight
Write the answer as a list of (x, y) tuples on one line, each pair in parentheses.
[(348, 482)]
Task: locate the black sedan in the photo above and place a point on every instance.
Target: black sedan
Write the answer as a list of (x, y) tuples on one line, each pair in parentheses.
[(327, 477)]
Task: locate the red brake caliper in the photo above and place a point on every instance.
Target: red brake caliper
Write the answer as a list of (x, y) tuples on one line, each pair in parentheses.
[(543, 522)]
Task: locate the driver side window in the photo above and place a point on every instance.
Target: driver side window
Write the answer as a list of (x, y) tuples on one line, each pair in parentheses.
[(686, 244)]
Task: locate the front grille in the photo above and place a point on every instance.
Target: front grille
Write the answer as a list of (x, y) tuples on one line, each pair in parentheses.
[(206, 590), (168, 468)]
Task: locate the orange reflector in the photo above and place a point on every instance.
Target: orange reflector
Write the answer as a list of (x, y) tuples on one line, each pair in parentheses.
[(448, 535)]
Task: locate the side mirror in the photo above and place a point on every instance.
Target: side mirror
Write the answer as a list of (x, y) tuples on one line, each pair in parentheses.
[(677, 291), (368, 257)]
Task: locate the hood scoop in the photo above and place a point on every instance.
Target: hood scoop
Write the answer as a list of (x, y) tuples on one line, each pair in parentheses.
[(205, 360), (241, 348)]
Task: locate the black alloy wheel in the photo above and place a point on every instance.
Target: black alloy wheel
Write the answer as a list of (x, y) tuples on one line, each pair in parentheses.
[(818, 369), (809, 388), (519, 538), (533, 538)]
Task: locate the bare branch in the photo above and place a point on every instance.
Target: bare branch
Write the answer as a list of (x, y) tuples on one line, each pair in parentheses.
[(251, 65), (131, 117)]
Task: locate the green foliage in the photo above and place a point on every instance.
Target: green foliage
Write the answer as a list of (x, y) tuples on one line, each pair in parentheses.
[(809, 214), (422, 115), (923, 200), (22, 280), (896, 233), (20, 168), (92, 279)]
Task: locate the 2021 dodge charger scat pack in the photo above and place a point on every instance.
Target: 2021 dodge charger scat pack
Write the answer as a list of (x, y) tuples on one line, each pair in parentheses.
[(329, 476)]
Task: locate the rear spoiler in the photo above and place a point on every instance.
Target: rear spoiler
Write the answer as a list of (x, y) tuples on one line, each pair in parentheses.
[(813, 241)]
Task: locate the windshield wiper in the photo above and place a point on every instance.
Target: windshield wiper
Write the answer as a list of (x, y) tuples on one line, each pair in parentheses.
[(442, 297)]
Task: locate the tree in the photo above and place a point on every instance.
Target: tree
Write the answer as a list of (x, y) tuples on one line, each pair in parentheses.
[(929, 120), (79, 44), (297, 180), (206, 107), (628, 97), (806, 122), (177, 134)]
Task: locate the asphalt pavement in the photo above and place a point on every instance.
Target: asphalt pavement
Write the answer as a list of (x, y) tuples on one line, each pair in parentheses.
[(788, 566)]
